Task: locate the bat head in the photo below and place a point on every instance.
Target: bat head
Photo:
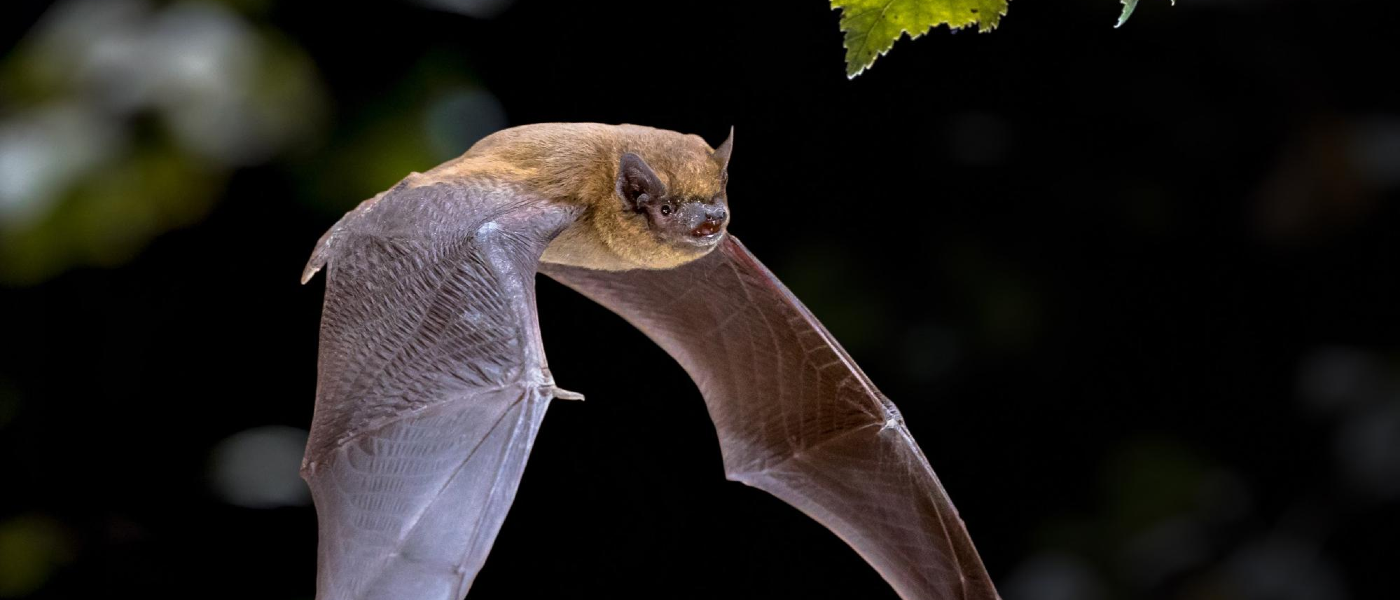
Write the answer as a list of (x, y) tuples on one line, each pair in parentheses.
[(670, 205), (675, 217)]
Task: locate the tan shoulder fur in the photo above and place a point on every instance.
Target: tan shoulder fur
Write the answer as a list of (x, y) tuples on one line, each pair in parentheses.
[(577, 163)]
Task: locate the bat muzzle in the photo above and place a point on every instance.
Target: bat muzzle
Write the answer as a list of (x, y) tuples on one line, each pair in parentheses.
[(711, 222), (699, 224)]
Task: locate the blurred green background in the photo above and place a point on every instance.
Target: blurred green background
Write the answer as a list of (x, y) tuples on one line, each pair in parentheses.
[(1135, 290)]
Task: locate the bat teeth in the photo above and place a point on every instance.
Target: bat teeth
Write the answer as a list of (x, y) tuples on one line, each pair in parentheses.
[(707, 228)]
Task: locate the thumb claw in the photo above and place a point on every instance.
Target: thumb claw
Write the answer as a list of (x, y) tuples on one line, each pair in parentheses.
[(562, 394)]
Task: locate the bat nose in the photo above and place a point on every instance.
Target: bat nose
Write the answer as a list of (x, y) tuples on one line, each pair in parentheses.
[(714, 221)]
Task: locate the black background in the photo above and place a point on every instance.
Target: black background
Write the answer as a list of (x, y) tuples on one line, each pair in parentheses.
[(1059, 247)]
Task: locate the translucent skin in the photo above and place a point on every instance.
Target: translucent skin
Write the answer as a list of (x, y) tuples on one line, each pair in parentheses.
[(796, 417), (433, 382)]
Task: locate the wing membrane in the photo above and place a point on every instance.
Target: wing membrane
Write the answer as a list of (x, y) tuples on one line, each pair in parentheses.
[(432, 385), (796, 417)]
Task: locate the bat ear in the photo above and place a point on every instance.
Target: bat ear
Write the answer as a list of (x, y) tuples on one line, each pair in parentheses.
[(637, 184), (721, 154)]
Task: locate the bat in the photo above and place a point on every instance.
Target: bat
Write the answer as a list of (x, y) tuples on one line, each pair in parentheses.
[(432, 380)]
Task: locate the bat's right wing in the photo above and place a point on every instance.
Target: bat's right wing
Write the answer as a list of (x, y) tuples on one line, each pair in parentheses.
[(796, 417), (432, 385)]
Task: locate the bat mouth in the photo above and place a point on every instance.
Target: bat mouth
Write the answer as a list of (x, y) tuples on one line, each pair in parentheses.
[(707, 229), (705, 239), (695, 225)]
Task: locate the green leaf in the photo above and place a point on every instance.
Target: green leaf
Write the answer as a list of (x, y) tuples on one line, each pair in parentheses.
[(873, 26), (1128, 6)]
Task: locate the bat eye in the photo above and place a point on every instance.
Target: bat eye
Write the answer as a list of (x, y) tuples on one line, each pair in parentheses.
[(665, 210)]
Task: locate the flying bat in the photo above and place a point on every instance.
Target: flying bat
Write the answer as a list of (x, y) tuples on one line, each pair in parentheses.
[(433, 382)]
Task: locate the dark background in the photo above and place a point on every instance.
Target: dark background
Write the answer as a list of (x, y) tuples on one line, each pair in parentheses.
[(1135, 291)]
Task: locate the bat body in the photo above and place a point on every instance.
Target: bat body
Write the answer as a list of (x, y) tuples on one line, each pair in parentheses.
[(433, 381)]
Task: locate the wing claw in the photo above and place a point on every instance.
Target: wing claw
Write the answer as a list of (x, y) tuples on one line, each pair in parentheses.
[(561, 393)]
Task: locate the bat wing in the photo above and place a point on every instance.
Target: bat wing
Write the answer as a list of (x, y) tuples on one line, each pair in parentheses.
[(432, 383), (796, 417)]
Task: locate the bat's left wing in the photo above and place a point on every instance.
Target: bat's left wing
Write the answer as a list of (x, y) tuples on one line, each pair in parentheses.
[(432, 385), (796, 417)]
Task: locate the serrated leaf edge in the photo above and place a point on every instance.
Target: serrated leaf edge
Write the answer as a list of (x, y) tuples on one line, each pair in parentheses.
[(982, 27)]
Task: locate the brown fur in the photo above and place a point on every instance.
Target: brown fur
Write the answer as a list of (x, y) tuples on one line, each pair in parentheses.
[(577, 163)]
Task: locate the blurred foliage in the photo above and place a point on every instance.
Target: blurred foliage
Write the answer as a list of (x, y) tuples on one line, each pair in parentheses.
[(32, 547), (103, 218), (1168, 517), (434, 113), (124, 119)]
